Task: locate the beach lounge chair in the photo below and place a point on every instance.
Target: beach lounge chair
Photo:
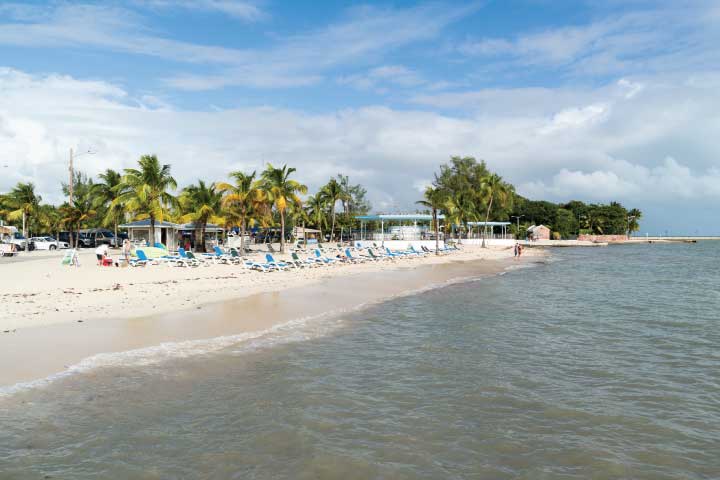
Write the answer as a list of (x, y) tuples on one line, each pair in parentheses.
[(323, 258), (353, 259), (270, 260), (190, 257), (141, 257), (217, 256), (392, 254), (308, 262)]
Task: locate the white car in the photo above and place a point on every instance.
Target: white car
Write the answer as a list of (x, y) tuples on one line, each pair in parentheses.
[(48, 243)]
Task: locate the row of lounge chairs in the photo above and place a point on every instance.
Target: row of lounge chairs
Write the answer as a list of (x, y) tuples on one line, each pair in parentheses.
[(299, 257)]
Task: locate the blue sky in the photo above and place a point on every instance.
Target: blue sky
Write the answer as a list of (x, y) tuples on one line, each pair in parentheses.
[(587, 100)]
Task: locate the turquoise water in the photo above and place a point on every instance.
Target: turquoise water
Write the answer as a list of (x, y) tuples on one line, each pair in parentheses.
[(602, 363)]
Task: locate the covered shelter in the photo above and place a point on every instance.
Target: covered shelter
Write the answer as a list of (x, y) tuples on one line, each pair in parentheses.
[(169, 234), (305, 234), (503, 226), (403, 226), (139, 233)]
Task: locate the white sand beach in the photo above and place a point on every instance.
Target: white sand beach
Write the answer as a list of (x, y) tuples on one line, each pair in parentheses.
[(41, 291)]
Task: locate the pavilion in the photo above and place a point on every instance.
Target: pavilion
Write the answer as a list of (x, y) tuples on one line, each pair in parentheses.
[(405, 226)]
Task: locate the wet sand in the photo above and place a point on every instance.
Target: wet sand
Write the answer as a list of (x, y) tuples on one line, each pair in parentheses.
[(39, 352)]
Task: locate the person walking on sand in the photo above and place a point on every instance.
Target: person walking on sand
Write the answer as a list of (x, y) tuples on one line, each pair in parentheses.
[(515, 249), (520, 249)]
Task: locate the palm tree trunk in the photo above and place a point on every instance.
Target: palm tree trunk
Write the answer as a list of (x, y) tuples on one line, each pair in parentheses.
[(242, 235), (23, 226), (202, 237), (151, 240), (437, 233), (487, 218), (117, 241), (282, 231), (332, 229)]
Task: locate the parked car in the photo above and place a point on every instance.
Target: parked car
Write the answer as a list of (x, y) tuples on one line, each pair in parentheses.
[(95, 237), (19, 240), (48, 243)]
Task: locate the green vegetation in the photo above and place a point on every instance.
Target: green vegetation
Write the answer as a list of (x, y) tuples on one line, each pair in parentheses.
[(464, 191)]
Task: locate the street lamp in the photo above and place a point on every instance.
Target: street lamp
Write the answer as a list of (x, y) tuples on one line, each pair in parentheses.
[(71, 185), (518, 217)]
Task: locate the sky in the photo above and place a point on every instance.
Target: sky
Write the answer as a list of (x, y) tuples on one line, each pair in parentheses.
[(568, 100)]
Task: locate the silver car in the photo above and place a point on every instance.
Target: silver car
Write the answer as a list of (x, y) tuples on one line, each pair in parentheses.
[(48, 243)]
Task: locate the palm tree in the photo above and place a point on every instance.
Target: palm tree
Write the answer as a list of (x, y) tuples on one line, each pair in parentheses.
[(435, 199), (74, 214), (49, 219), (145, 191), (634, 217), (317, 211), (492, 188), (333, 192), (281, 191), (22, 202), (242, 200), (202, 204), (106, 192)]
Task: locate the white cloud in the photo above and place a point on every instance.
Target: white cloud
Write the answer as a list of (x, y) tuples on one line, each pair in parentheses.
[(292, 60), (381, 77), (593, 144), (243, 10), (657, 38)]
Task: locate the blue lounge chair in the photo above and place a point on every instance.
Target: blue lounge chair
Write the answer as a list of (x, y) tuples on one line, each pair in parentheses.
[(270, 260), (353, 259), (323, 258)]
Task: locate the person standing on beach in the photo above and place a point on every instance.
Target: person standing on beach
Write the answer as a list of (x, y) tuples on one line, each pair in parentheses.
[(515, 249), (101, 252), (519, 250), (126, 249)]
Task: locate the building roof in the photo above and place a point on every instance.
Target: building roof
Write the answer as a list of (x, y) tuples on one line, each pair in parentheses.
[(535, 227), (410, 217), (146, 224), (210, 227), (489, 224)]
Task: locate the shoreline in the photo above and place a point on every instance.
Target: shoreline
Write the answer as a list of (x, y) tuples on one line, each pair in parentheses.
[(212, 325)]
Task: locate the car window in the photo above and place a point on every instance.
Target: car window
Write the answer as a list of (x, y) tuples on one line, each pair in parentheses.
[(49, 239)]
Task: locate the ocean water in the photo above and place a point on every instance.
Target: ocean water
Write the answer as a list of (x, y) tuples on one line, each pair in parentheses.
[(599, 363)]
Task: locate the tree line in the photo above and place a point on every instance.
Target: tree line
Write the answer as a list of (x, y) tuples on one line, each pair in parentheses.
[(464, 190), (267, 199)]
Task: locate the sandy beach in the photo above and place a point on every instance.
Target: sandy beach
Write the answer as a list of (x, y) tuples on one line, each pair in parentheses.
[(41, 291), (77, 313)]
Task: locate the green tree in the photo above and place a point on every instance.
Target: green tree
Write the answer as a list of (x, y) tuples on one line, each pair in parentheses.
[(281, 191), (634, 216), (145, 191), (22, 203), (317, 212), (81, 210), (201, 204), (435, 199), (107, 191), (243, 200), (333, 192), (493, 188), (565, 223)]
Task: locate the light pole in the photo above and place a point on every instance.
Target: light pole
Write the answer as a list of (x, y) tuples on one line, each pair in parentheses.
[(71, 185), (518, 217)]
